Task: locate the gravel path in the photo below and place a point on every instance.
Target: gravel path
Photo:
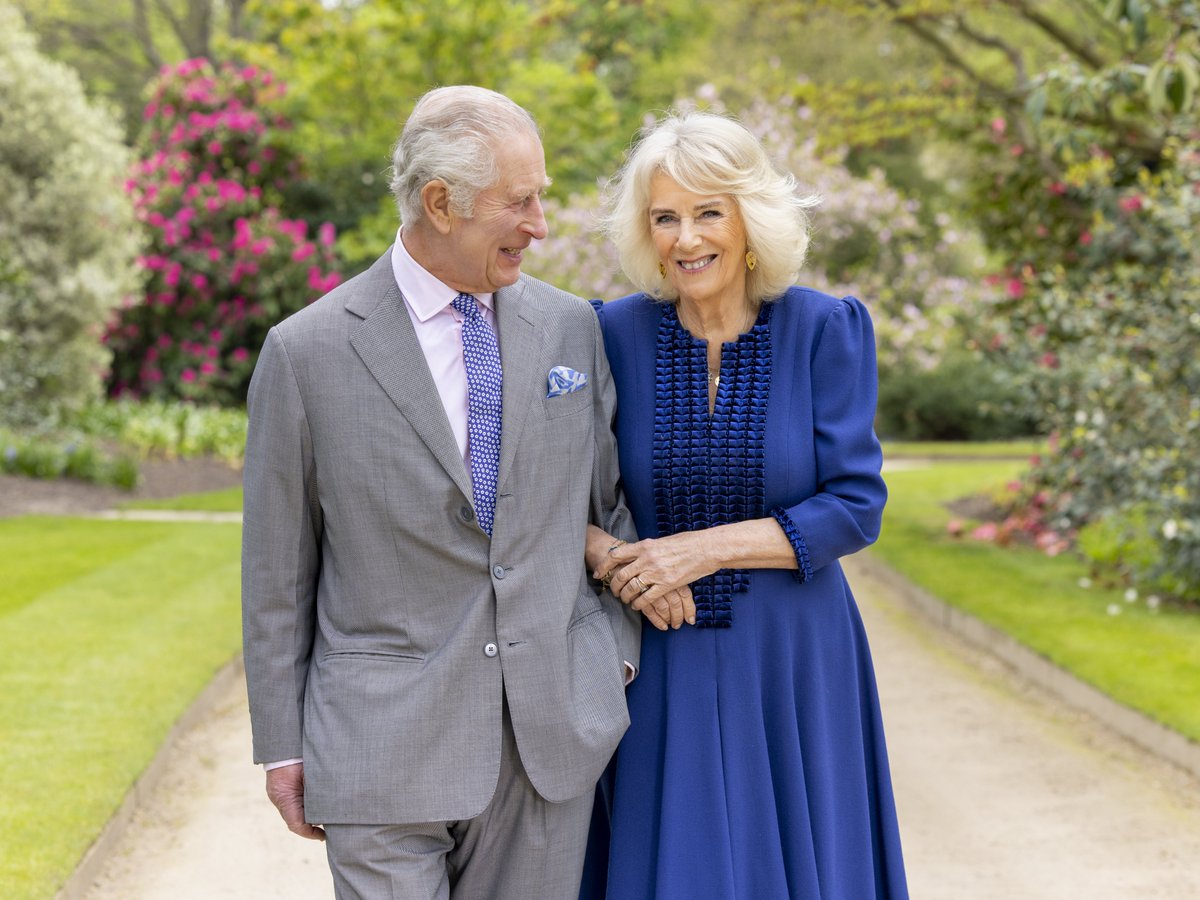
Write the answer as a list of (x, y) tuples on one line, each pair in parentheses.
[(1001, 793)]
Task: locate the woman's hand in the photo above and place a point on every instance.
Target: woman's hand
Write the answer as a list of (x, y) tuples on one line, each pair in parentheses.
[(670, 609), (654, 569)]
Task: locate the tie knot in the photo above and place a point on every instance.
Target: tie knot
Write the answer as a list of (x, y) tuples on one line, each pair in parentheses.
[(466, 305)]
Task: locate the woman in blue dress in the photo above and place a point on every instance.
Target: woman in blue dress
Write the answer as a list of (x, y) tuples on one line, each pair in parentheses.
[(755, 765)]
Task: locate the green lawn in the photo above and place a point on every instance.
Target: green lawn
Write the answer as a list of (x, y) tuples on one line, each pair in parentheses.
[(228, 500), (1019, 449), (108, 631), (1145, 659)]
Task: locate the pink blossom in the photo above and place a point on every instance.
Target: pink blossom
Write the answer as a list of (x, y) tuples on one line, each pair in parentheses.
[(172, 275), (240, 354), (212, 351), (985, 532), (1132, 203), (1057, 188), (1086, 238), (999, 125), (303, 252), (215, 148), (207, 368), (326, 234), (199, 281), (954, 528), (188, 375), (1015, 288), (1048, 360), (261, 246)]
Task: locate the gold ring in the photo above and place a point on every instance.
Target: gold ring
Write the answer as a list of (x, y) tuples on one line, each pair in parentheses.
[(645, 587)]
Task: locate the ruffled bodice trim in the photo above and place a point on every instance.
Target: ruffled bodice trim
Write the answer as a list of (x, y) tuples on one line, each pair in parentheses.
[(708, 469)]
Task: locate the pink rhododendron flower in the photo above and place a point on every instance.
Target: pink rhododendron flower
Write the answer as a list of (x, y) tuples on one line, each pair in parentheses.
[(985, 532)]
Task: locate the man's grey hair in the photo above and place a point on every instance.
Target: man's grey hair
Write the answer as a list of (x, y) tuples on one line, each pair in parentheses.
[(452, 136)]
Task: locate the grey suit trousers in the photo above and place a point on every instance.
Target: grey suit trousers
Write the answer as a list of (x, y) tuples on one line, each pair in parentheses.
[(521, 847)]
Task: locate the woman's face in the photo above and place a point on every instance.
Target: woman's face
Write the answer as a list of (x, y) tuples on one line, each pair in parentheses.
[(701, 242)]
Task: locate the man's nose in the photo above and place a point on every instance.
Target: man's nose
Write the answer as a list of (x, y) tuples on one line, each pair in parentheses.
[(535, 226)]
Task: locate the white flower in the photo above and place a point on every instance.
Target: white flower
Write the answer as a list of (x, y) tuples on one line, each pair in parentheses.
[(1114, 609), (1131, 595), (1085, 583), (1170, 529), (1153, 601)]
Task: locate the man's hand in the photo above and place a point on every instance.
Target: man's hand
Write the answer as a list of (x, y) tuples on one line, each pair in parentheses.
[(285, 787)]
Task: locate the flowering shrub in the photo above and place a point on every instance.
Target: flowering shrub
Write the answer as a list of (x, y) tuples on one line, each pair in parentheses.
[(67, 234), (1100, 313), (224, 262)]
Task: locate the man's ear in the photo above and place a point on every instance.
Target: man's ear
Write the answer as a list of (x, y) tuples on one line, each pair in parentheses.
[(435, 200)]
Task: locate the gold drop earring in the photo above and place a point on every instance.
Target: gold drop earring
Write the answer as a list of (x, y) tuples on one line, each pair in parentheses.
[(662, 270), (751, 260)]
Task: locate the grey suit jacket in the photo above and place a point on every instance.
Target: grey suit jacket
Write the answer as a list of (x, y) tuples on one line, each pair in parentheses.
[(370, 593)]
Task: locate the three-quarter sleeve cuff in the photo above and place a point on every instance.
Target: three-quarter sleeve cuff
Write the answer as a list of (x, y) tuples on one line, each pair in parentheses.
[(804, 571)]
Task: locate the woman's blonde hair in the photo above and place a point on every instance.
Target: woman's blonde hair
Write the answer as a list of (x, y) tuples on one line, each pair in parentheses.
[(709, 154)]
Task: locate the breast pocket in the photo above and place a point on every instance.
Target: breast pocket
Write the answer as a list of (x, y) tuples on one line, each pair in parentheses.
[(568, 404)]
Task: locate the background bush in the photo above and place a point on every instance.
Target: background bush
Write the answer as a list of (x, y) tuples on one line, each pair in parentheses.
[(224, 262), (67, 233), (962, 398)]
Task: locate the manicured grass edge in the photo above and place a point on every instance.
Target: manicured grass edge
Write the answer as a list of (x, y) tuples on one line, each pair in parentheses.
[(1131, 724), (98, 854)]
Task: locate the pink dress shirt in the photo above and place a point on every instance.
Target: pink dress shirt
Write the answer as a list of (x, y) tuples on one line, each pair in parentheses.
[(439, 331)]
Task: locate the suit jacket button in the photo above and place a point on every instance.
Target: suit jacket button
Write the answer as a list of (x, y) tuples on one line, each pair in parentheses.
[(466, 514), (490, 649), (498, 571)]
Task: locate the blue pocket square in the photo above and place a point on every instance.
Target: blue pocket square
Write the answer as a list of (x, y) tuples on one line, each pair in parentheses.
[(564, 381)]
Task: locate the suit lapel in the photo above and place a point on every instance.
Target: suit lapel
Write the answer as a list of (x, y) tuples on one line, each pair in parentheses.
[(520, 340), (388, 346)]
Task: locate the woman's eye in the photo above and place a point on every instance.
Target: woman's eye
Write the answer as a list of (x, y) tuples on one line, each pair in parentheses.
[(711, 214), (663, 219)]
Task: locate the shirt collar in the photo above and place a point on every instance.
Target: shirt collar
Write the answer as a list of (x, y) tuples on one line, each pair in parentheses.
[(425, 293)]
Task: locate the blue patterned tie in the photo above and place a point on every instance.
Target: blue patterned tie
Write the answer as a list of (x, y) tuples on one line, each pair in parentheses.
[(481, 354)]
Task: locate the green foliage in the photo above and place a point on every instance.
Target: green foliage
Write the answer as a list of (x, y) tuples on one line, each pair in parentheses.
[(108, 632), (76, 456), (67, 233), (962, 398), (576, 67), (119, 45), (1080, 120), (169, 429)]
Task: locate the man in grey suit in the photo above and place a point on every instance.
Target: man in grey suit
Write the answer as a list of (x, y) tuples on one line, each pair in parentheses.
[(431, 677)]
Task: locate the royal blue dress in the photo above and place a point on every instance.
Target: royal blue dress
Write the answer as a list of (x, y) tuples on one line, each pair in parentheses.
[(755, 765)]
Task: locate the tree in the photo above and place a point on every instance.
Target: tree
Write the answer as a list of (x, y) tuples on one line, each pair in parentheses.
[(67, 233), (1082, 128), (119, 46), (224, 262), (357, 69)]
